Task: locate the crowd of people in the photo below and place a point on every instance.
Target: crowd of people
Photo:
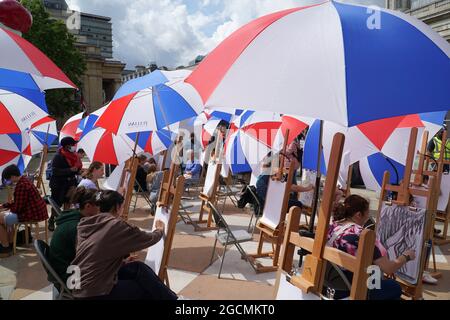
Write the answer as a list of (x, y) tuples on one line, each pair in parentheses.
[(90, 234)]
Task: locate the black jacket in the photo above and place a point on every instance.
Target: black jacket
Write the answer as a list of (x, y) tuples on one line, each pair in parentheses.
[(62, 177)]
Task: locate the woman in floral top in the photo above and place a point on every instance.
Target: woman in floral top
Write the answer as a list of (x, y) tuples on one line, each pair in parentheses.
[(343, 234)]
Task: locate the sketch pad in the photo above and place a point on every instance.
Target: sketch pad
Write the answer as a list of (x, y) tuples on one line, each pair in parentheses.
[(287, 291), (400, 229), (274, 204), (155, 252), (209, 180)]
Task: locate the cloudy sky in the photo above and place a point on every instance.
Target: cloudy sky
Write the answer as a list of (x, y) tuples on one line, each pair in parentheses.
[(174, 32)]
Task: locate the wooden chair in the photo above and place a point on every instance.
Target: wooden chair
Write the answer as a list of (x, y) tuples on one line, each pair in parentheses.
[(356, 264), (312, 278), (28, 227)]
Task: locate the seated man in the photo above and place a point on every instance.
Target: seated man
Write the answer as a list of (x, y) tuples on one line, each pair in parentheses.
[(193, 168), (63, 243), (28, 205), (154, 179)]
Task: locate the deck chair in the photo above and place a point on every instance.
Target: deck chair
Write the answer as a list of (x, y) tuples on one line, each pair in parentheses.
[(227, 237), (42, 249)]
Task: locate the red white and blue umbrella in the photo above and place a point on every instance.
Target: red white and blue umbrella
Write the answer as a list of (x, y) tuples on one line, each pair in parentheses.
[(152, 79), (249, 140), (74, 126), (151, 109), (332, 64), (101, 145), (153, 142), (373, 167), (390, 137), (18, 113), (39, 72), (15, 149), (42, 132)]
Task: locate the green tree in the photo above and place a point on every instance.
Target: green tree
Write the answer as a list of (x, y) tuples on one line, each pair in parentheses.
[(52, 38)]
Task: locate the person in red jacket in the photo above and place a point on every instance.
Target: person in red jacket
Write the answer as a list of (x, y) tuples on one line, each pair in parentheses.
[(27, 205)]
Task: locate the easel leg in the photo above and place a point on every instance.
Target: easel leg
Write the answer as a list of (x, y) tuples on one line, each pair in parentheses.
[(166, 278)]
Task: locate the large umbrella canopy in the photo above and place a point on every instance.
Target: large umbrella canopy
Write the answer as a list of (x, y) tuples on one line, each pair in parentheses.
[(249, 140), (373, 167), (153, 108), (149, 80), (19, 55), (24, 85), (153, 142), (15, 149), (102, 145), (388, 136), (74, 126), (331, 64), (42, 132), (18, 113)]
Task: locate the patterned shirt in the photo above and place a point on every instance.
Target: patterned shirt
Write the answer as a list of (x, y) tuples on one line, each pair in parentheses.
[(28, 203), (346, 238)]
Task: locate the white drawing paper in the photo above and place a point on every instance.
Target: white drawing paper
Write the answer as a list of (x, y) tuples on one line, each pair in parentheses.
[(209, 179), (155, 252), (274, 203), (287, 291), (308, 178), (445, 191)]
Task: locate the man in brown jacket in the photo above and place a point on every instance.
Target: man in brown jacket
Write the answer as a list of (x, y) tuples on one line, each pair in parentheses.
[(104, 241)]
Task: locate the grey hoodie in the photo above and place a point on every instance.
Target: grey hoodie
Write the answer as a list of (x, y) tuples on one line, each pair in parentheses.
[(103, 241)]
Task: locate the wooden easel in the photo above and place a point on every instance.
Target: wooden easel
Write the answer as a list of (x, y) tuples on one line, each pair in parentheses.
[(127, 181), (404, 191), (208, 196), (312, 277), (39, 179), (169, 198), (164, 158), (422, 171), (271, 234)]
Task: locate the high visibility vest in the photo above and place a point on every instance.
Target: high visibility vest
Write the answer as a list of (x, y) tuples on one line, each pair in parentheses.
[(437, 149)]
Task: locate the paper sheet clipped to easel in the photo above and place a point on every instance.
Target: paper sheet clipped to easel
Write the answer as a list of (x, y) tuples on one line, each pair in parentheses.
[(308, 178), (287, 291), (209, 180), (274, 203), (155, 252)]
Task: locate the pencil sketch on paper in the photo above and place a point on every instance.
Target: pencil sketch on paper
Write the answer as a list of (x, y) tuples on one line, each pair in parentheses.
[(400, 229)]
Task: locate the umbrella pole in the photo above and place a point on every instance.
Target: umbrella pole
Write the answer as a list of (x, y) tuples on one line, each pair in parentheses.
[(40, 181), (318, 177)]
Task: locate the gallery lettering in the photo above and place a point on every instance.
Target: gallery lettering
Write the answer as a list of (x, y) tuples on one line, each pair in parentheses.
[(28, 116), (137, 123)]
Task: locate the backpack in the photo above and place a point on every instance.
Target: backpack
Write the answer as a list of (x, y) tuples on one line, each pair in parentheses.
[(49, 171)]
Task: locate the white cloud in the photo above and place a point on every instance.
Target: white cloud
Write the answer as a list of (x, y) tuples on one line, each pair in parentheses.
[(171, 32)]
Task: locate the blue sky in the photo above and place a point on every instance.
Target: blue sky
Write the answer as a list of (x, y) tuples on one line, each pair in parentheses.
[(174, 32)]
